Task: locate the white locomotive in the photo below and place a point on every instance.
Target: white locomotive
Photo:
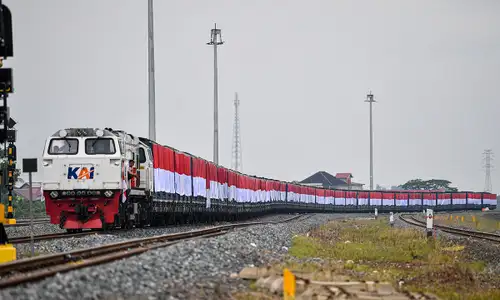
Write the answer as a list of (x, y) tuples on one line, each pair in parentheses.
[(85, 180)]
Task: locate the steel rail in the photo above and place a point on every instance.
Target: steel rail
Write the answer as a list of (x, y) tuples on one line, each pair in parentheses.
[(34, 219), (23, 223), (36, 268), (50, 236), (453, 230)]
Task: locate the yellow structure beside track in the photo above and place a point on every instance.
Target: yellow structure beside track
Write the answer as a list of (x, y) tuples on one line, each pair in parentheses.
[(7, 251)]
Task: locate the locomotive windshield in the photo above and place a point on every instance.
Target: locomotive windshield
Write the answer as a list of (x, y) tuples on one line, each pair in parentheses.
[(63, 146), (100, 146)]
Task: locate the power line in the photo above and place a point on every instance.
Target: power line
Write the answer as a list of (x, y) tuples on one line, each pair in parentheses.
[(488, 159), (215, 40), (237, 159)]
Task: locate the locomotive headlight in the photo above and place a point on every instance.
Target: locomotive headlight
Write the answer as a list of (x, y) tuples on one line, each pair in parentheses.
[(54, 194), (99, 132), (108, 193), (63, 133)]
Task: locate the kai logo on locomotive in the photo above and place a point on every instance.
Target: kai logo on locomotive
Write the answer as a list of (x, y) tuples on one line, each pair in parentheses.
[(80, 173)]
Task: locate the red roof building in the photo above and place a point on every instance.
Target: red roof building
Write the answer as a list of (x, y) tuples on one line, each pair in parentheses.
[(339, 181), (24, 191), (346, 177)]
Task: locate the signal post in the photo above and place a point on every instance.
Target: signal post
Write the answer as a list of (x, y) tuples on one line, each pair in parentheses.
[(7, 132)]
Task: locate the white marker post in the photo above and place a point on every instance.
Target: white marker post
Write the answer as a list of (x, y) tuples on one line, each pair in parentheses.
[(208, 202), (430, 222), (376, 213), (391, 219)]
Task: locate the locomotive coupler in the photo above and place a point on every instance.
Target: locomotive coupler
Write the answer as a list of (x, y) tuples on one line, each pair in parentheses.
[(82, 212)]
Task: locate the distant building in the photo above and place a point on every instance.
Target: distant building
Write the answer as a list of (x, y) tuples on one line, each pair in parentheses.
[(327, 180), (346, 177), (23, 191)]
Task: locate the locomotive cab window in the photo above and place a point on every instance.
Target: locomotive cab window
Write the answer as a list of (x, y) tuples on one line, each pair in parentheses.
[(142, 155), (62, 146), (99, 146)]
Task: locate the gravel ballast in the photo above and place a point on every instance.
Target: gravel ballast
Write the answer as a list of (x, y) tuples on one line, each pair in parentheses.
[(99, 238), (38, 229), (196, 269)]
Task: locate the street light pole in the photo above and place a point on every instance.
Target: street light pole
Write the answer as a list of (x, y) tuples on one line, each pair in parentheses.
[(215, 40), (151, 74), (369, 98)]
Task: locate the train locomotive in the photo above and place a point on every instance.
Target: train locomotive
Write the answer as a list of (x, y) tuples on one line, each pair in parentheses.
[(86, 186)]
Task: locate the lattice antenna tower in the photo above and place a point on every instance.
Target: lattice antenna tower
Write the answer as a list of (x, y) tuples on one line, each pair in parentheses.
[(237, 161), (488, 166)]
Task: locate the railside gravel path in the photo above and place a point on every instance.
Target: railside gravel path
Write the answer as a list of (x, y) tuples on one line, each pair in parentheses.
[(38, 229), (100, 238), (196, 269)]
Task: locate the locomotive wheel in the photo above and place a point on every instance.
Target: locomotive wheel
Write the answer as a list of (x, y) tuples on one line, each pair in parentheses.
[(127, 224), (123, 224), (140, 224), (107, 226), (130, 225)]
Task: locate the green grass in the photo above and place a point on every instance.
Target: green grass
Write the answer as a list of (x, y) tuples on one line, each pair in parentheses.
[(21, 208), (378, 243), (380, 252)]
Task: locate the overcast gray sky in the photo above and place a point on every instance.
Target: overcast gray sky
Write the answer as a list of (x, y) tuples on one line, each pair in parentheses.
[(302, 70)]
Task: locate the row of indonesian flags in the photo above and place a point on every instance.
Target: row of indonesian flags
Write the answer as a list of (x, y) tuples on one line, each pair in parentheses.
[(179, 173)]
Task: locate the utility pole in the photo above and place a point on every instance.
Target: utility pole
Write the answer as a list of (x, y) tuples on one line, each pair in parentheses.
[(237, 155), (369, 98), (488, 158), (215, 40), (151, 73)]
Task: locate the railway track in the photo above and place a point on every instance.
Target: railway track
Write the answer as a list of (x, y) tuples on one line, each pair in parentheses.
[(36, 268), (24, 222), (410, 219), (51, 236)]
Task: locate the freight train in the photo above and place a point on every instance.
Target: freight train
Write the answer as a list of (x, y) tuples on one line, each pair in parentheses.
[(86, 184)]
